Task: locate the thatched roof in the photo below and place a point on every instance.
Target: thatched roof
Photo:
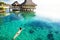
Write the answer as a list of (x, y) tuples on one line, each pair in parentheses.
[(28, 2), (15, 4)]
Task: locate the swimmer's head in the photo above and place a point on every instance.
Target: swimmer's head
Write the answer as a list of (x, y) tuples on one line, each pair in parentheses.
[(20, 28)]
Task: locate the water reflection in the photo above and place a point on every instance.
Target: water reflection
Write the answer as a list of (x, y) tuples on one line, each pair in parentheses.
[(34, 29), (11, 16)]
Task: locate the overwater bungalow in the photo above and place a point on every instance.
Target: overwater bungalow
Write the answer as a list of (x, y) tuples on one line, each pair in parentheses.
[(28, 5), (16, 6)]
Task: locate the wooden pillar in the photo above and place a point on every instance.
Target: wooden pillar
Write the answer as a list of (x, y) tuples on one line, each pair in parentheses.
[(26, 9), (9, 9), (30, 9)]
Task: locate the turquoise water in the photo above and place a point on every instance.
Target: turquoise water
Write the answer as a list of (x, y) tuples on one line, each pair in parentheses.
[(34, 29)]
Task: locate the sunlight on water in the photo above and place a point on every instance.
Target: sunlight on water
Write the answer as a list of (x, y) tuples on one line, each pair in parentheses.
[(35, 28)]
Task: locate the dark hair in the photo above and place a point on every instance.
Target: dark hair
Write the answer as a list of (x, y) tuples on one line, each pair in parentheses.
[(20, 28)]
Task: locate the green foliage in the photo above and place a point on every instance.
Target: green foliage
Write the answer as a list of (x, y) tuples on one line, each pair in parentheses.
[(2, 3)]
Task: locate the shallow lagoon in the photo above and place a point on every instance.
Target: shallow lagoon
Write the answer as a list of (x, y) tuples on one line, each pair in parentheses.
[(34, 28)]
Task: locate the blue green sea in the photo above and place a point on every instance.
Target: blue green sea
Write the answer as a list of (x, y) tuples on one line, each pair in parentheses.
[(35, 28)]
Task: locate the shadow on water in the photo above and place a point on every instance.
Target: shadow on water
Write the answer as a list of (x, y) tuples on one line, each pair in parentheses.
[(50, 36), (31, 31)]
